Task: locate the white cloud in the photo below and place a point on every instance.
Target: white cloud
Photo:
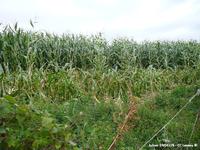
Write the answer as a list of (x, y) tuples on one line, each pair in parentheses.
[(107, 2), (167, 19)]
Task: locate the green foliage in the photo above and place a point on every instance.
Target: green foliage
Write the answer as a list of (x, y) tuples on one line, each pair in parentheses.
[(74, 91)]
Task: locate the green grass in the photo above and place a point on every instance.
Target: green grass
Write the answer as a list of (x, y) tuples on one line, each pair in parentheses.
[(155, 113), (74, 92)]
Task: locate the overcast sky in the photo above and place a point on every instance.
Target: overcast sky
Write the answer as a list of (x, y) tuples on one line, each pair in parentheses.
[(137, 19)]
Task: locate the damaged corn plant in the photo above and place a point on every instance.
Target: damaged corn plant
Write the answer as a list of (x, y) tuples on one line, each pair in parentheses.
[(77, 92)]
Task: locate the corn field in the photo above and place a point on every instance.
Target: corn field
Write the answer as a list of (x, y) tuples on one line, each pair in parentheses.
[(21, 49), (74, 91)]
